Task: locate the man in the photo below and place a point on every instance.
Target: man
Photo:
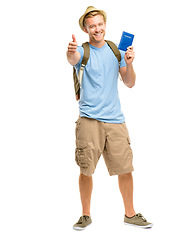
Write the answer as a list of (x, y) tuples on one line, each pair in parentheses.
[(101, 128)]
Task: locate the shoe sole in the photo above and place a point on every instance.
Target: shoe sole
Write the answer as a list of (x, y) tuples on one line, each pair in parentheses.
[(134, 225), (80, 228)]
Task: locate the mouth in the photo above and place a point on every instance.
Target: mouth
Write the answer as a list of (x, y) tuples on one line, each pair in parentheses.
[(98, 34)]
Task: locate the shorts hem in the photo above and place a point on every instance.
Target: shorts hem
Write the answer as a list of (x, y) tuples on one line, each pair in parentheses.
[(86, 173), (122, 172)]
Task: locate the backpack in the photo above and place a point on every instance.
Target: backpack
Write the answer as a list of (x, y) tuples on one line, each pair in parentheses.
[(78, 79)]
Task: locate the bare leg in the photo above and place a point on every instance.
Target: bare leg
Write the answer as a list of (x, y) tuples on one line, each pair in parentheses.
[(86, 186), (126, 188)]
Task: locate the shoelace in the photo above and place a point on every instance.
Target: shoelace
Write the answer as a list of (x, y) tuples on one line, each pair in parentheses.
[(139, 215), (83, 218)]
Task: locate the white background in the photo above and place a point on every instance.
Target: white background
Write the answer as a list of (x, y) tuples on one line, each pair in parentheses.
[(38, 175)]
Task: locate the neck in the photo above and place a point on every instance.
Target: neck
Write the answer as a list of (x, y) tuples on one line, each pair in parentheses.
[(97, 44)]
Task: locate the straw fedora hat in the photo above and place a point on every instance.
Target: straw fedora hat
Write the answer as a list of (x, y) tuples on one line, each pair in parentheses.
[(88, 10)]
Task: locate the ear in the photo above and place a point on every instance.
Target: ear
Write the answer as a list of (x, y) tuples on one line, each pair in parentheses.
[(85, 30)]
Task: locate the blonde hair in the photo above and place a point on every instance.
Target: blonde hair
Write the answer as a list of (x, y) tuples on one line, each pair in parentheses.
[(93, 14)]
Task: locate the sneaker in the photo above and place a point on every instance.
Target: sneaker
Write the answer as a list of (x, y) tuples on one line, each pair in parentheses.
[(82, 223), (138, 221)]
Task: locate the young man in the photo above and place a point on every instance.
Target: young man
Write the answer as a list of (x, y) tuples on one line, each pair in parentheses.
[(101, 128)]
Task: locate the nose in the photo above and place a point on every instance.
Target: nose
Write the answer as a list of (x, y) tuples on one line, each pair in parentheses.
[(97, 28)]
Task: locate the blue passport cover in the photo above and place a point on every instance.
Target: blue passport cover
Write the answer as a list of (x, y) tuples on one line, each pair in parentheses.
[(125, 41)]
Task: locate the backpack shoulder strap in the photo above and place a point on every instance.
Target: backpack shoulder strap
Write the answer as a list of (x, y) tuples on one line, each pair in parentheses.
[(78, 79), (86, 53), (84, 61), (115, 50)]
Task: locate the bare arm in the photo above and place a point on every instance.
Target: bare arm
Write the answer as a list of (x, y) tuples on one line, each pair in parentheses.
[(127, 73), (73, 56)]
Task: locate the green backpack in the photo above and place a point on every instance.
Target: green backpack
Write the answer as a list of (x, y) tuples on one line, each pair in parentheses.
[(78, 79)]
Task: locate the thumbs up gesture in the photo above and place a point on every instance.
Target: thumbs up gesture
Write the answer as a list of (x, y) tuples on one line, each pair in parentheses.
[(72, 45)]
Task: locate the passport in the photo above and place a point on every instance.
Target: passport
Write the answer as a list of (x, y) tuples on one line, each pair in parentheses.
[(125, 41)]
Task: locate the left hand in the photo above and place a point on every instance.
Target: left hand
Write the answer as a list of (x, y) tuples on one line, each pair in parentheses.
[(129, 55)]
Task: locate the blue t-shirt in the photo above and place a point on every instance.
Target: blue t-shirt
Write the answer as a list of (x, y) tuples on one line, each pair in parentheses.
[(99, 97)]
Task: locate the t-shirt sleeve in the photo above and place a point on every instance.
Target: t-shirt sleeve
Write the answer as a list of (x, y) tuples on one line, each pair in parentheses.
[(81, 51)]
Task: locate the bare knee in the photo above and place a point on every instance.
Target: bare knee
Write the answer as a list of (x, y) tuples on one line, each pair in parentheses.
[(126, 175), (84, 177)]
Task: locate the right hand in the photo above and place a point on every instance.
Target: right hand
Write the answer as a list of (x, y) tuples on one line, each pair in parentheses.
[(72, 45)]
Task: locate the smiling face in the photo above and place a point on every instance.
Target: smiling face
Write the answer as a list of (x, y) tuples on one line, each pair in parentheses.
[(95, 27)]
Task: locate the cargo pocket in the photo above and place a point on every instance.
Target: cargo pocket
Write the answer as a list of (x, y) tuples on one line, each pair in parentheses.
[(84, 153)]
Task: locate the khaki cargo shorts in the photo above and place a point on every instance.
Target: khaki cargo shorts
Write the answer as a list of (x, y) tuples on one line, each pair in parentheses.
[(94, 138)]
